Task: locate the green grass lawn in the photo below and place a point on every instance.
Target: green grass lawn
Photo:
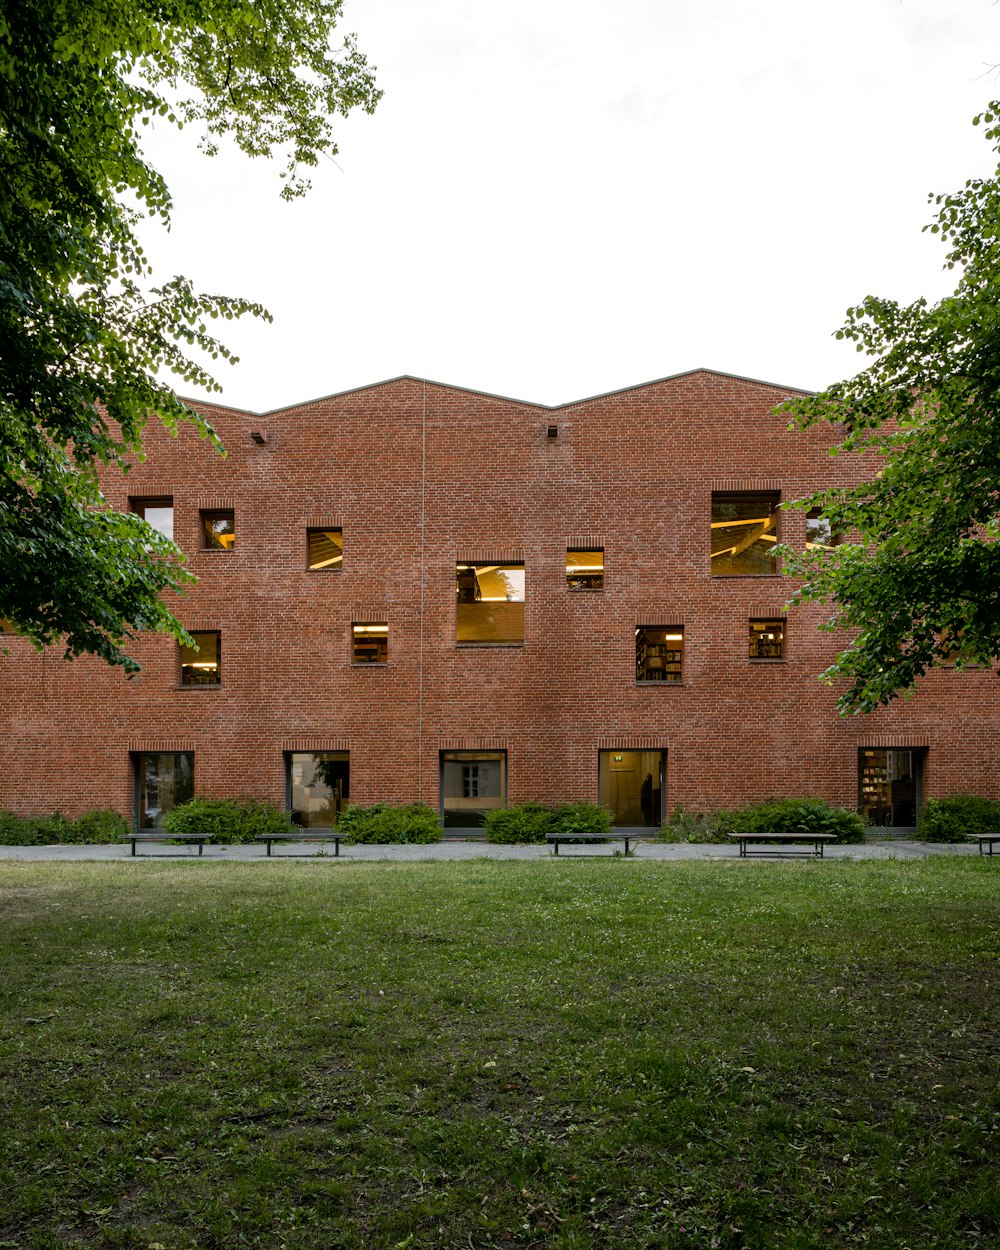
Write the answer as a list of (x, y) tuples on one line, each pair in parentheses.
[(574, 1053)]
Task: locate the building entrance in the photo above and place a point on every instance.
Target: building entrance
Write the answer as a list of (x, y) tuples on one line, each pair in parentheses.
[(889, 787), (632, 784)]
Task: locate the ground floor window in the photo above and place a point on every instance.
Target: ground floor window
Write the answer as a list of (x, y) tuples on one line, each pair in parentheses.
[(889, 786), (632, 785), (319, 785), (164, 780), (472, 784)]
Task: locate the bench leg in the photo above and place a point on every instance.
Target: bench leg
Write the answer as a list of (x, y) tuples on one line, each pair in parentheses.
[(556, 845), (201, 847), (268, 844), (133, 848), (336, 848)]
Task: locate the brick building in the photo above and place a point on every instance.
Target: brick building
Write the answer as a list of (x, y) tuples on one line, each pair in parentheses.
[(414, 591)]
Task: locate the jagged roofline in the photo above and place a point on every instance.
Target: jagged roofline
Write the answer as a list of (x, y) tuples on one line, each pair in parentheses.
[(468, 390)]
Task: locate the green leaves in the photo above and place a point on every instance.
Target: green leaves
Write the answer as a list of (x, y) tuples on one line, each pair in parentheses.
[(85, 339)]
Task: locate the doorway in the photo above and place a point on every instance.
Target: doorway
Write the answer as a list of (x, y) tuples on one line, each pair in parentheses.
[(889, 786), (633, 785)]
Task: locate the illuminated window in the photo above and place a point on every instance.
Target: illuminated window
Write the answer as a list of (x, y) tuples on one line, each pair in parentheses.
[(744, 534), (371, 644), (819, 531), (218, 530), (767, 639), (201, 665), (159, 513), (319, 784), (326, 548), (659, 652), (490, 606), (585, 569)]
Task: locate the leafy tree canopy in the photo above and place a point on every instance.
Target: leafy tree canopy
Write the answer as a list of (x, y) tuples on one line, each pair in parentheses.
[(919, 582), (84, 336)]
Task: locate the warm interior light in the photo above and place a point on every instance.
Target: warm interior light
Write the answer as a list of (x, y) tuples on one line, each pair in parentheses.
[(673, 637), (371, 629)]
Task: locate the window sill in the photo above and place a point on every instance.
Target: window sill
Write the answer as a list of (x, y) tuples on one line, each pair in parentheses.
[(369, 664), (666, 684), (204, 686), (744, 577), (763, 659)]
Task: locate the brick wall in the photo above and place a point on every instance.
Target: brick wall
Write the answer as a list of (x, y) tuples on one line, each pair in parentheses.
[(420, 476)]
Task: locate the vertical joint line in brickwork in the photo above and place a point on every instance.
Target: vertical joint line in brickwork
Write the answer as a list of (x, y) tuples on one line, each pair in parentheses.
[(423, 559)]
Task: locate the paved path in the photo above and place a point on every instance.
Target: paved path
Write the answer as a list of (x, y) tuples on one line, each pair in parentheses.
[(895, 849)]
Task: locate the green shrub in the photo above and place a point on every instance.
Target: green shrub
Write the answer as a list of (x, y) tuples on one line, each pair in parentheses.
[(582, 818), (97, 826), (104, 825), (685, 826), (774, 815), (385, 825), (953, 818), (227, 820), (522, 823)]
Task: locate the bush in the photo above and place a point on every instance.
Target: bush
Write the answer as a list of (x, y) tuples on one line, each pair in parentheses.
[(953, 818), (96, 826), (228, 820), (777, 815), (525, 822), (383, 825), (582, 818)]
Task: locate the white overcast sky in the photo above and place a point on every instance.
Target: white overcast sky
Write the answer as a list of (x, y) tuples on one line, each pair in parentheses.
[(557, 198)]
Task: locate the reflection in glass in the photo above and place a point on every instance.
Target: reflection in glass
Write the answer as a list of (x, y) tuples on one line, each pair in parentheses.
[(325, 548), (159, 513), (631, 784), (318, 786), (744, 534), (165, 781), (472, 784), (585, 570), (819, 531), (202, 665), (218, 530), (490, 606)]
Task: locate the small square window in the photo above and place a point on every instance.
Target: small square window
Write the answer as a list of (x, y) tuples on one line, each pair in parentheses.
[(326, 548), (490, 603), (659, 653), (744, 534), (585, 569), (371, 644), (159, 513), (767, 639), (218, 530), (819, 531), (201, 665)]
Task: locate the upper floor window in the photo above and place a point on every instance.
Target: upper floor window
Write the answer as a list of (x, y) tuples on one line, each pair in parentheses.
[(201, 665), (370, 644), (325, 548), (218, 529), (159, 513), (659, 653), (490, 605), (585, 569), (767, 639), (744, 533), (819, 531)]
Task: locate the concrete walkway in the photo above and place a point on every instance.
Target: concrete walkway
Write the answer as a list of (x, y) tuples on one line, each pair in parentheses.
[(455, 849)]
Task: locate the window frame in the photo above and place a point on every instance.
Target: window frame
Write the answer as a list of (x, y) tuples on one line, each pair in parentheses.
[(378, 632), (206, 515), (773, 498), (782, 642), (585, 580), (463, 600), (659, 660), (138, 504), (330, 566), (185, 668)]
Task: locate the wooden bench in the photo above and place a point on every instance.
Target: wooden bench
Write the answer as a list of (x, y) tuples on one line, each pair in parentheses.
[(163, 835), (335, 838), (985, 840), (555, 840), (818, 841)]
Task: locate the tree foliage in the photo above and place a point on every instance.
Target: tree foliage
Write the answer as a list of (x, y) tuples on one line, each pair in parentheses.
[(85, 339), (919, 582)]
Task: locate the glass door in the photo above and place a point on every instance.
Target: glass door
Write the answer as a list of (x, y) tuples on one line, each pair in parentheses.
[(632, 785)]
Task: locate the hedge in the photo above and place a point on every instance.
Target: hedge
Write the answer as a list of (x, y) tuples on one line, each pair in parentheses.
[(95, 826), (385, 825), (805, 815), (954, 818), (228, 820)]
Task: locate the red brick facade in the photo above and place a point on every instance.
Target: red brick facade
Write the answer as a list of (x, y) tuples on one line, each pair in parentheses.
[(421, 476)]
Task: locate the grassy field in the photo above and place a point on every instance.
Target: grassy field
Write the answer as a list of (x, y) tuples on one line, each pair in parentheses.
[(582, 1053)]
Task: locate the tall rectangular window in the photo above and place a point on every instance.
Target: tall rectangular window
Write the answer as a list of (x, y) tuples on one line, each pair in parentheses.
[(370, 644), (201, 665), (157, 512), (659, 653), (218, 529), (767, 639), (325, 548), (744, 534), (472, 784), (163, 781), (585, 569), (319, 785), (490, 606)]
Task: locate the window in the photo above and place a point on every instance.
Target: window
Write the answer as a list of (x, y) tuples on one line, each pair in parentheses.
[(318, 785), (819, 531), (585, 570), (371, 644), (326, 548), (889, 786), (472, 784), (490, 603), (201, 665), (767, 639), (159, 513), (218, 530), (163, 781), (659, 653), (744, 534), (631, 784)]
